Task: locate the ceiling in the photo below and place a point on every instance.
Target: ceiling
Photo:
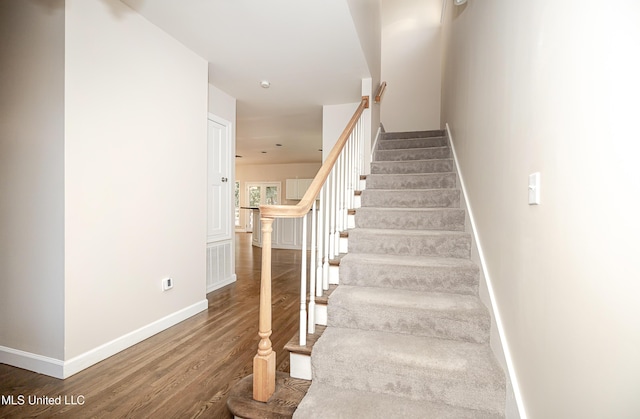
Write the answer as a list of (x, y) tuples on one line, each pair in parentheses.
[(308, 50)]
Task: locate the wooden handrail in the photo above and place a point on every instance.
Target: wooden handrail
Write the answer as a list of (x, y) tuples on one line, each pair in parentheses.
[(303, 207), (380, 91), (264, 362)]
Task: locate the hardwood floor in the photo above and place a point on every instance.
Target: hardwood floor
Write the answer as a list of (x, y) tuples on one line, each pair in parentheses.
[(185, 371)]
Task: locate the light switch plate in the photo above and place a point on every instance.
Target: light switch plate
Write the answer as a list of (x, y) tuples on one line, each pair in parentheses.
[(534, 188)]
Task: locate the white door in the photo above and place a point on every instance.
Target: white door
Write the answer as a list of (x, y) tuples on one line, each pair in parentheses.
[(219, 193)]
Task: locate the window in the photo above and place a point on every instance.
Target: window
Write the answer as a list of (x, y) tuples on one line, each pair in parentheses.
[(237, 204), (262, 193)]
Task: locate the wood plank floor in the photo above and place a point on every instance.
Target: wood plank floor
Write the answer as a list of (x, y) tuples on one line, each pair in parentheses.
[(185, 371)]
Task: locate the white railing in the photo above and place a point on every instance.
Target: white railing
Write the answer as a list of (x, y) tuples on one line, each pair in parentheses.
[(324, 209)]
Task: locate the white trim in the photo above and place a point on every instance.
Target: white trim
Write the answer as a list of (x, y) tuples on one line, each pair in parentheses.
[(375, 144), (483, 265), (221, 284), (300, 366), (443, 11), (63, 369), (32, 362), (80, 362)]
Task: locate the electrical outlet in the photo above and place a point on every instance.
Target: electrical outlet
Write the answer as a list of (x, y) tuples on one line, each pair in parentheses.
[(167, 284)]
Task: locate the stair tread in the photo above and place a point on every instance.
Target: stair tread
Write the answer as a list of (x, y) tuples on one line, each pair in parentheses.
[(443, 147), (294, 343), (412, 161), (402, 260), (324, 298), (330, 402), (417, 367), (336, 259), (410, 299), (393, 231), (413, 191), (404, 181), (417, 198), (404, 135), (413, 154), (409, 209), (414, 142), (432, 274), (373, 175), (420, 313), (411, 218)]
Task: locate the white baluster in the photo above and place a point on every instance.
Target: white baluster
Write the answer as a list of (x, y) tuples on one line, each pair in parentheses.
[(332, 212), (340, 185), (303, 285), (320, 236), (312, 273), (327, 237)]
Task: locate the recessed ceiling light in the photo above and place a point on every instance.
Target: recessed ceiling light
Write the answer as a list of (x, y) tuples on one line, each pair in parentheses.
[(265, 84)]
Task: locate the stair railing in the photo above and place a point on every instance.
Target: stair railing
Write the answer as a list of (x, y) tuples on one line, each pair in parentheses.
[(324, 209), (380, 91)]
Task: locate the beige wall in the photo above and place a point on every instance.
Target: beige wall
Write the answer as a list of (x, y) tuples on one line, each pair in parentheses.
[(135, 174), (32, 177), (410, 64), (553, 87)]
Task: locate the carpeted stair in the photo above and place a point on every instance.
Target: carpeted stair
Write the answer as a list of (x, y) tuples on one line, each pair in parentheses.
[(407, 334)]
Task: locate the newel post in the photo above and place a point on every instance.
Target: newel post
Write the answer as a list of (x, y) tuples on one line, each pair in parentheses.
[(264, 363)]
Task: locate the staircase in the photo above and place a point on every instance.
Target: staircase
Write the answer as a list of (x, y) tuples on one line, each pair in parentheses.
[(407, 335)]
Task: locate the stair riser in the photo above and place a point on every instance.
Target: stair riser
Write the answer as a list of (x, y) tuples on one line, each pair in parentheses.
[(417, 166), (469, 326), (413, 154), (449, 246), (410, 220), (394, 144), (435, 198), (412, 181), (417, 278)]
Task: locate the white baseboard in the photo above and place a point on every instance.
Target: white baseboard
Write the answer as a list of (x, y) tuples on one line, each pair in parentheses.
[(32, 362), (221, 284), (63, 369), (494, 308)]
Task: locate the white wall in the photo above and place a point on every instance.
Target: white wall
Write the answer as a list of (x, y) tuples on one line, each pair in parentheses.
[(135, 174), (32, 177), (334, 120), (552, 87), (366, 16), (410, 64), (222, 105)]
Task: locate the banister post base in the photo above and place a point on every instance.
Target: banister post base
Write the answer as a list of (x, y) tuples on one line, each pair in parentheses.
[(264, 376)]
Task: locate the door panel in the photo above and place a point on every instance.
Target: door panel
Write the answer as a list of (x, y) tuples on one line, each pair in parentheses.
[(219, 222)]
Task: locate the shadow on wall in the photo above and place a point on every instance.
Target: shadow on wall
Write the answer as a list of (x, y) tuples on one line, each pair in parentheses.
[(116, 10), (459, 9)]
